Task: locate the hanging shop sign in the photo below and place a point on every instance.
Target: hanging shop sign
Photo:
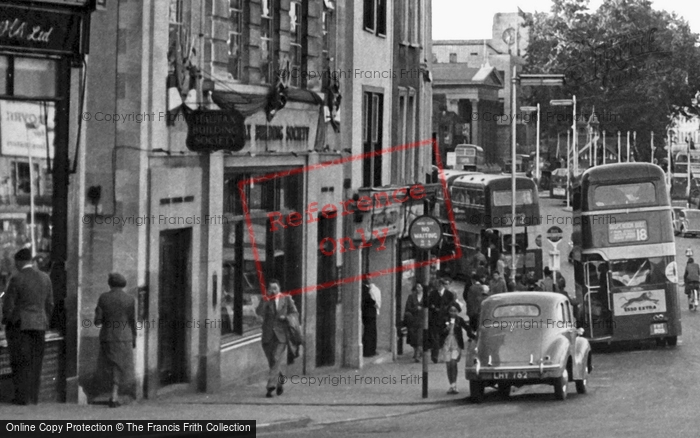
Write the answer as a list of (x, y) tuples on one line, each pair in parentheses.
[(209, 130), (41, 30)]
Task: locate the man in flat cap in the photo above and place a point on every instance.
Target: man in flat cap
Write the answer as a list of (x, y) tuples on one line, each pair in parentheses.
[(439, 300), (27, 308), (115, 315)]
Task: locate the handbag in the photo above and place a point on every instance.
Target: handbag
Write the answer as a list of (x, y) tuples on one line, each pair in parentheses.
[(294, 330)]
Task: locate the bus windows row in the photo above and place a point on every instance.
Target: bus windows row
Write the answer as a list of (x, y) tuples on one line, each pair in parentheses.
[(464, 196), (628, 273)]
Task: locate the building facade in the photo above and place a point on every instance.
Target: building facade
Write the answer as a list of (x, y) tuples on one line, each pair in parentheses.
[(209, 146), (43, 49)]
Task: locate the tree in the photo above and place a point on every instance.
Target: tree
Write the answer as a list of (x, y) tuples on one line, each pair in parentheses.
[(637, 66)]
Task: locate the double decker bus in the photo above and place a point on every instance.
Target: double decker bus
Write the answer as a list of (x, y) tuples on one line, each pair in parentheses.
[(624, 254), (481, 205), (469, 157)]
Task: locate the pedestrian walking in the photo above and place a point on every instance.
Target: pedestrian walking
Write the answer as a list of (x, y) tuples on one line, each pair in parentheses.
[(413, 320), (475, 296), (497, 284), (115, 315), (274, 312), (547, 282), (438, 301), (453, 343), (27, 308)]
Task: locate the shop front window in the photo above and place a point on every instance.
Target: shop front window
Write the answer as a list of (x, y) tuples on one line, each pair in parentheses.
[(264, 246)]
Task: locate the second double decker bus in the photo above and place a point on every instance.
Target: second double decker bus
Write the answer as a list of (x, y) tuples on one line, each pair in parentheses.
[(624, 254), (481, 204)]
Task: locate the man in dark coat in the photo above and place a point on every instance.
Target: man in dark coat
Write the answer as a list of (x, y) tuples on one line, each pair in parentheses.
[(27, 308), (369, 310), (439, 300), (115, 315), (474, 297), (274, 311)]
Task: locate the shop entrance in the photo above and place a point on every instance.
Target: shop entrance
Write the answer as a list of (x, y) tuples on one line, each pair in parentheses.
[(326, 299)]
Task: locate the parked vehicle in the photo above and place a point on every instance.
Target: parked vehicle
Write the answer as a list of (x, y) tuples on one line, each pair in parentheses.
[(527, 338)]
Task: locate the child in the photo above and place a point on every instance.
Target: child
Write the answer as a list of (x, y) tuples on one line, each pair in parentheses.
[(454, 343)]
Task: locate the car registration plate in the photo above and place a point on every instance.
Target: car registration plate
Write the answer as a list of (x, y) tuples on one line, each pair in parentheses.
[(658, 329), (559, 191), (508, 376)]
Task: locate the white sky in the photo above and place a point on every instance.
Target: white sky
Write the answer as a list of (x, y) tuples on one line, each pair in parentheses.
[(472, 19)]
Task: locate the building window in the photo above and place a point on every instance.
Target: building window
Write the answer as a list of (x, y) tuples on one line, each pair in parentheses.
[(412, 17), (404, 22), (453, 58), (397, 158), (235, 36), (268, 38), (296, 44), (278, 249), (375, 16), (372, 119), (175, 14), (412, 156)]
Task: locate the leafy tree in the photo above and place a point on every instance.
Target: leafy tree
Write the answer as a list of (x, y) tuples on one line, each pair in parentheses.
[(637, 66)]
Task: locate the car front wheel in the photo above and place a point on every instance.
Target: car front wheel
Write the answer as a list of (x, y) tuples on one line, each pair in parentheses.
[(560, 385), (672, 341), (581, 385), (476, 391)]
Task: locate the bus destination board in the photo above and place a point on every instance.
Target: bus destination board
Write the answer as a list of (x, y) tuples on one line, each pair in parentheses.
[(635, 231)]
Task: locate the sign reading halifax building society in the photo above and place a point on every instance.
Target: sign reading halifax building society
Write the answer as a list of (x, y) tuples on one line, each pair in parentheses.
[(209, 130)]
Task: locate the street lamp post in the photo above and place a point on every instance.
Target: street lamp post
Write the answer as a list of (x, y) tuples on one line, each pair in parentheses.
[(525, 80), (537, 144)]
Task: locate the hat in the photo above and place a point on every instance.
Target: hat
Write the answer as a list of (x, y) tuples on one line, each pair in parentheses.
[(456, 305), (116, 279), (445, 280), (23, 255)]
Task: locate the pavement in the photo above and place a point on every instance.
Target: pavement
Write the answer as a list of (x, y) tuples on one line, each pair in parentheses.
[(381, 389)]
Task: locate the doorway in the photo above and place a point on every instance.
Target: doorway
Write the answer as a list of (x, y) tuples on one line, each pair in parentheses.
[(174, 289), (326, 299)]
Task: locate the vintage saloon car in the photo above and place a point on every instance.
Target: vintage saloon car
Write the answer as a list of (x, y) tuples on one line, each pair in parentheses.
[(527, 338)]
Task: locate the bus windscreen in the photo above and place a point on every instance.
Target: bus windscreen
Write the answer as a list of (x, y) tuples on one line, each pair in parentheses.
[(624, 194), (504, 198)]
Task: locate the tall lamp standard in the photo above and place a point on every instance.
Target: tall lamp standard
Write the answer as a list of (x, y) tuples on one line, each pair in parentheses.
[(569, 102), (551, 80), (537, 147)]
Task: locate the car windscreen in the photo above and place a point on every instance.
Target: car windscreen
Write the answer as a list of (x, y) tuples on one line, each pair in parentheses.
[(516, 310)]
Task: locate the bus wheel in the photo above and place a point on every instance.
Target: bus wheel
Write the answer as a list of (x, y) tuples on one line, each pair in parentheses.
[(672, 341)]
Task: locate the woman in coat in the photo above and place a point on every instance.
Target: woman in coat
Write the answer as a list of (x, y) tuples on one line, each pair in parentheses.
[(413, 319), (454, 343), (115, 315)]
